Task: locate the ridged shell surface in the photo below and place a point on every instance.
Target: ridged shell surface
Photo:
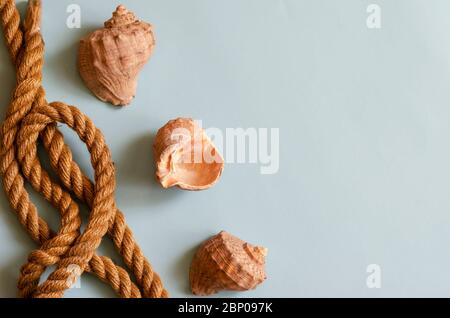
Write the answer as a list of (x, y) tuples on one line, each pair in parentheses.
[(110, 59), (226, 262)]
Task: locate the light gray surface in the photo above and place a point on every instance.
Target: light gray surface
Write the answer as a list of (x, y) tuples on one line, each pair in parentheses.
[(364, 121)]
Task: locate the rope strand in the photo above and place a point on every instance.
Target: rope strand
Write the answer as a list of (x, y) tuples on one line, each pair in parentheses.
[(30, 117)]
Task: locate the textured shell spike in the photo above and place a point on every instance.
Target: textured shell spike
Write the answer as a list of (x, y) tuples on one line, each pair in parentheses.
[(110, 59), (120, 18), (186, 157), (225, 262)]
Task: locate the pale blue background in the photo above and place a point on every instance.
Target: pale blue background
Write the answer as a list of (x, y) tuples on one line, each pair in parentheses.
[(364, 118)]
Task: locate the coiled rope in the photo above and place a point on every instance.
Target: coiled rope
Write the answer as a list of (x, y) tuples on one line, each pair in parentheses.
[(30, 118)]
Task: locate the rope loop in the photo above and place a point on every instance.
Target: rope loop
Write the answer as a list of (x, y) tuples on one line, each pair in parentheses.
[(31, 119)]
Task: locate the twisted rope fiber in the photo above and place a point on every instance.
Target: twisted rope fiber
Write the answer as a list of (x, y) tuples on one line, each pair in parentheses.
[(30, 117)]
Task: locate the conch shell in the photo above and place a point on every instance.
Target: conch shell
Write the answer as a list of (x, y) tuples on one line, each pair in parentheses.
[(186, 157), (109, 59), (225, 262)]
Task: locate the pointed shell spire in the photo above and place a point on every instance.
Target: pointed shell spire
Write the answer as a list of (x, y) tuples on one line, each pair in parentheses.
[(225, 262), (110, 59), (120, 18)]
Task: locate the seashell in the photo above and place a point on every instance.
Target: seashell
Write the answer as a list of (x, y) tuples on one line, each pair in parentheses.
[(109, 59), (186, 157), (225, 262)]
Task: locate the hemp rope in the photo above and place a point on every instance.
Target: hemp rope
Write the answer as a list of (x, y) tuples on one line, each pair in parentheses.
[(29, 117)]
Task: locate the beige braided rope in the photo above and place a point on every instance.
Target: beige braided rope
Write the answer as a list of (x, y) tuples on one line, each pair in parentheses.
[(30, 117)]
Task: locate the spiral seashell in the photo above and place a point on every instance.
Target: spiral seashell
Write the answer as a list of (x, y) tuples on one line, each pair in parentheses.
[(110, 59), (186, 157), (225, 262)]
